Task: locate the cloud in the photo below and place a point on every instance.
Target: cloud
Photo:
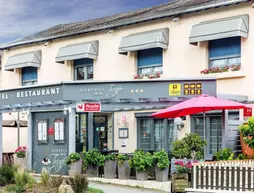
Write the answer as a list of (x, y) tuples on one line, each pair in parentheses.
[(23, 17)]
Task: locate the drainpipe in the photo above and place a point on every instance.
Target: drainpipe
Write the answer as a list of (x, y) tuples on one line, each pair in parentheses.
[(18, 129)]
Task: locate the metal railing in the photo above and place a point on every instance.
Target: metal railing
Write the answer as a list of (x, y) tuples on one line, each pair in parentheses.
[(223, 176)]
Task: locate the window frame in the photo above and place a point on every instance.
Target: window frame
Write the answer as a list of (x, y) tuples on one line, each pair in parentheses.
[(75, 70), (152, 66), (165, 137), (226, 57), (30, 81)]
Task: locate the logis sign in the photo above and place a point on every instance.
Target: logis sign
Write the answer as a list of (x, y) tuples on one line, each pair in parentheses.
[(88, 107)]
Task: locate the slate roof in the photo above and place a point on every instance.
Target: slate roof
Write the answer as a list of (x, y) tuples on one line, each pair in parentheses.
[(172, 8)]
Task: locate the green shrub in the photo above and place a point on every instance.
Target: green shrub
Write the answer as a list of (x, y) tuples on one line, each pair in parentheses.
[(45, 178), (7, 171), (121, 158), (23, 179), (79, 183), (161, 159), (224, 154), (110, 157), (55, 181), (94, 157), (191, 142), (241, 157), (94, 190), (74, 157), (141, 161), (3, 181)]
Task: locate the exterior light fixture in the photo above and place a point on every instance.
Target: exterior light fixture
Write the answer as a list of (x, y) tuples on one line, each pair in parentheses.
[(179, 123)]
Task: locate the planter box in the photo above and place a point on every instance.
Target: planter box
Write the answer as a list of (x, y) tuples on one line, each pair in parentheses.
[(21, 162), (245, 148), (124, 170), (142, 175), (179, 182), (110, 169), (75, 168), (92, 171), (161, 175), (173, 166)]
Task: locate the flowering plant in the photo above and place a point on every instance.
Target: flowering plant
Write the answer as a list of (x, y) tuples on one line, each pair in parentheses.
[(46, 161), (150, 76), (21, 152), (222, 69), (183, 168)]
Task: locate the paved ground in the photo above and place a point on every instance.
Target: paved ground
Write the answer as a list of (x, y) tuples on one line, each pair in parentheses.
[(108, 188)]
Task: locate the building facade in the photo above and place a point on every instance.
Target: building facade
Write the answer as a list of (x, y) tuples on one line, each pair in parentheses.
[(48, 75)]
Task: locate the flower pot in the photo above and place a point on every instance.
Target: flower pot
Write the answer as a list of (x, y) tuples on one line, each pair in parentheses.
[(124, 170), (245, 148), (110, 169), (179, 182), (92, 171), (75, 168), (161, 175), (21, 162), (142, 175)]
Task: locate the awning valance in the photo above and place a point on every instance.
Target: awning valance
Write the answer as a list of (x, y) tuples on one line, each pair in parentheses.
[(28, 59), (218, 29), (13, 123), (78, 51), (145, 40)]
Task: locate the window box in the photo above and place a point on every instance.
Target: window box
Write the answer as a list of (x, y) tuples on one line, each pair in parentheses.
[(222, 69), (147, 76), (226, 75)]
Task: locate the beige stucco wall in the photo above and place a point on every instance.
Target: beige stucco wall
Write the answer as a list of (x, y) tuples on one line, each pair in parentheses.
[(180, 60)]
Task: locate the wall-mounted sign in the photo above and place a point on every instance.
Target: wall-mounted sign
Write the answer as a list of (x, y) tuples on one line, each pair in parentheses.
[(123, 133), (247, 112), (192, 89), (88, 107), (51, 131), (174, 89)]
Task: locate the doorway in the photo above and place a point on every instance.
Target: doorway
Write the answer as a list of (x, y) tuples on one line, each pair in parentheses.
[(100, 132)]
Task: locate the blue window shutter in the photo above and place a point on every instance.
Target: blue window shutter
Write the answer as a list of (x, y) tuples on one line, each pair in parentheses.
[(225, 47), (29, 73), (83, 61), (149, 57)]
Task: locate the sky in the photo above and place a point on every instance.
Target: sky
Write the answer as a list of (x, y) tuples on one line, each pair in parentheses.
[(20, 18)]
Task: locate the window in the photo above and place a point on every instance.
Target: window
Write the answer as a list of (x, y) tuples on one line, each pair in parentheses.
[(83, 69), (225, 52), (59, 131), (149, 61), (156, 134), (42, 135), (29, 76)]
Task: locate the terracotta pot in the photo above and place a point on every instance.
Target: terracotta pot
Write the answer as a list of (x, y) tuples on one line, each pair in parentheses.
[(246, 150)]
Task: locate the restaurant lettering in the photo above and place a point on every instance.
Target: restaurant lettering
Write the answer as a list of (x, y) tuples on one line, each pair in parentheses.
[(30, 93)]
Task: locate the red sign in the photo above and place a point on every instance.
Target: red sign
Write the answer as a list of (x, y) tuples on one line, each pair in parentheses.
[(89, 107), (247, 112), (51, 131)]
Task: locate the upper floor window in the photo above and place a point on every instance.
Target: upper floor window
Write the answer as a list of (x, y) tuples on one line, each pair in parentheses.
[(83, 69), (29, 76), (225, 52), (150, 61)]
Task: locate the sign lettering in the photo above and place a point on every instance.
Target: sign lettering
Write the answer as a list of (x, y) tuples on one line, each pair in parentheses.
[(174, 89), (88, 107)]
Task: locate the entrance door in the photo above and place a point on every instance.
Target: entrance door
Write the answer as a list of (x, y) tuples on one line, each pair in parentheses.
[(100, 130), (50, 140)]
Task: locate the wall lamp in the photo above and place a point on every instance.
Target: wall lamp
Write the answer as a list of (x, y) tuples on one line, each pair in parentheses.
[(179, 123)]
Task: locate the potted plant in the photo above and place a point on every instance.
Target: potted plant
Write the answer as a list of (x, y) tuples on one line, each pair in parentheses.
[(21, 159), (246, 137), (110, 166), (75, 162), (93, 159), (141, 161), (180, 180), (189, 148), (123, 167), (161, 165)]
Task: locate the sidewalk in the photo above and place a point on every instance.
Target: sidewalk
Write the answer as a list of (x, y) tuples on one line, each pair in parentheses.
[(109, 188)]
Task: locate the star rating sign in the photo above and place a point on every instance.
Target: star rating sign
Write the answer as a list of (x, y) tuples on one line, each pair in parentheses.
[(136, 90), (141, 90), (132, 90)]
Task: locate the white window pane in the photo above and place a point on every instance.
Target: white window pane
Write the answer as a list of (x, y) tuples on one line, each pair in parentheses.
[(218, 63), (234, 61)]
